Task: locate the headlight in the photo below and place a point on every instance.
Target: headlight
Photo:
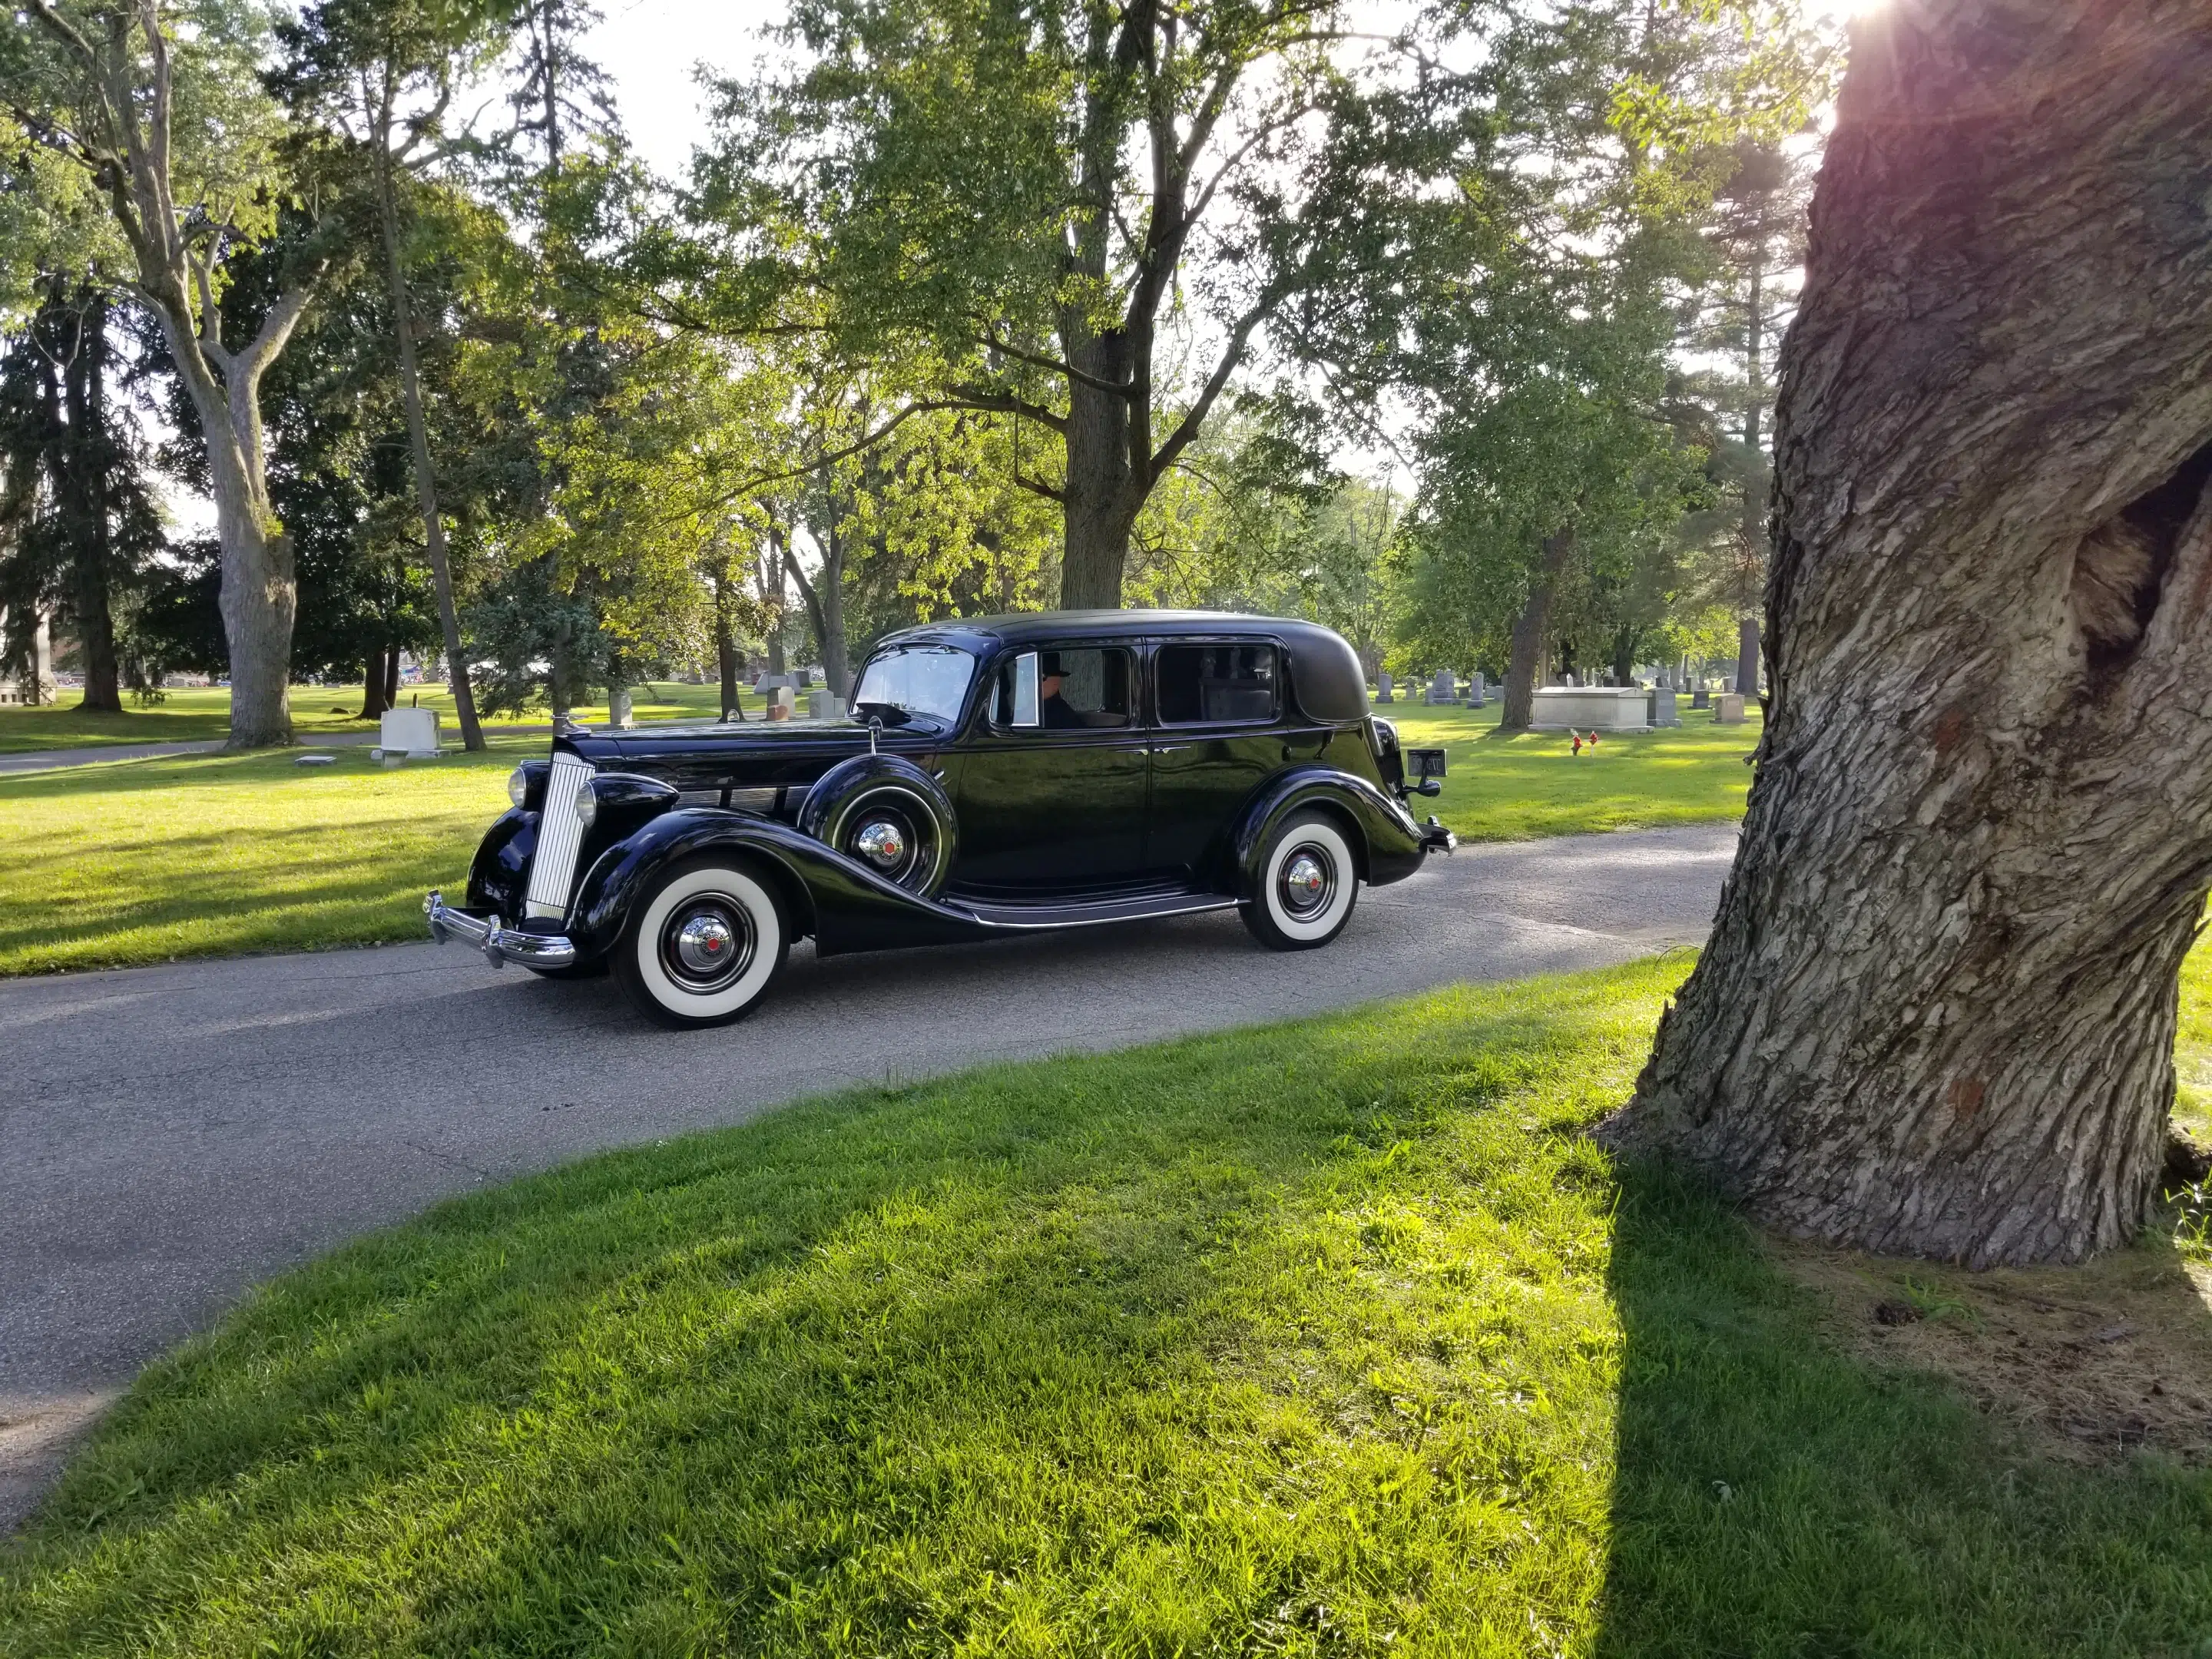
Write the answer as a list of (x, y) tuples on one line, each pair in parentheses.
[(518, 785), (587, 805)]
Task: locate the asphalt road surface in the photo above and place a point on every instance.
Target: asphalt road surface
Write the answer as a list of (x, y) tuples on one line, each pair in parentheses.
[(169, 1136)]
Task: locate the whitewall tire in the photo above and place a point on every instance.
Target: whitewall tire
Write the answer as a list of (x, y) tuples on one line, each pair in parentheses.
[(1308, 883), (703, 946)]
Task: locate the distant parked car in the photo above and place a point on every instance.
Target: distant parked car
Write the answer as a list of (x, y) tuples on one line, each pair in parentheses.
[(998, 775)]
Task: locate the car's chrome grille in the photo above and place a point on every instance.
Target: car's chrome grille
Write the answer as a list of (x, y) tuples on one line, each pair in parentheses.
[(560, 835)]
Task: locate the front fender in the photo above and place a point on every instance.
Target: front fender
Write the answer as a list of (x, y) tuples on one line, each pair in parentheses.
[(842, 904), (1384, 835), (500, 873)]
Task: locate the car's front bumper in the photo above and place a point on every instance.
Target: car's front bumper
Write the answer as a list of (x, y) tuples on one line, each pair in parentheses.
[(500, 944)]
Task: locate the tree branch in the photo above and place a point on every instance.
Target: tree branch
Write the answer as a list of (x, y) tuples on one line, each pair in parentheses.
[(1232, 354), (1053, 365)]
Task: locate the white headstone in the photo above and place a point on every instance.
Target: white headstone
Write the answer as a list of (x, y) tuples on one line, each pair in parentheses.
[(1382, 686), (412, 731), (1478, 691), (825, 706), (1442, 688)]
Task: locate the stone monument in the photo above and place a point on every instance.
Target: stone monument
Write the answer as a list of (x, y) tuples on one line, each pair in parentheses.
[(1728, 708), (1478, 691), (1382, 686)]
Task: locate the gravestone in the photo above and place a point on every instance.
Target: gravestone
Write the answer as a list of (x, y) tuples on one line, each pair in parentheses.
[(1701, 698), (825, 706), (1478, 691), (1442, 688), (1662, 706), (619, 709), (1728, 708), (781, 699), (1382, 686), (805, 679), (410, 731)]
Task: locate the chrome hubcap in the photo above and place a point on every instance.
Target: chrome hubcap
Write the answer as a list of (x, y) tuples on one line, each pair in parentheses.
[(1307, 881), (881, 843), (704, 944), (707, 944)]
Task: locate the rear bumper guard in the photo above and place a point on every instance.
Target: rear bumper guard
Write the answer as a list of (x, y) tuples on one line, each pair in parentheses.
[(501, 945), (1435, 838)]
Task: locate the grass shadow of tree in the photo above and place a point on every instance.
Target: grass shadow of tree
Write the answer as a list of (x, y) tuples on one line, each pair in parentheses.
[(1340, 1337), (1775, 1496)]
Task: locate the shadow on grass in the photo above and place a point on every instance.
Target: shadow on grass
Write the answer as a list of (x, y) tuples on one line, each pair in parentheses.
[(1774, 1497), (1331, 1339)]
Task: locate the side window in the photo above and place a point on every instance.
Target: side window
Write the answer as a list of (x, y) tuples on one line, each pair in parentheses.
[(1202, 685), (1063, 691)]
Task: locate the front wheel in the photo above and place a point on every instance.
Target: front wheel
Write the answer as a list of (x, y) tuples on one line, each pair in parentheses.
[(1307, 886), (703, 946)]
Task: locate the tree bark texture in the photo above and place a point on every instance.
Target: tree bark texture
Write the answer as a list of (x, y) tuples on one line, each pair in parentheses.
[(1936, 1015), (1525, 651)]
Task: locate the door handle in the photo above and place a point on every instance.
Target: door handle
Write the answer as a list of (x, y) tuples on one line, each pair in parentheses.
[(1168, 748)]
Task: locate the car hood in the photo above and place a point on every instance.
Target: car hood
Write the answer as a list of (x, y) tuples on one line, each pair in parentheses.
[(713, 754)]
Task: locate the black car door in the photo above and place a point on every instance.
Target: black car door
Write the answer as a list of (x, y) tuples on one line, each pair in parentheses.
[(1220, 706), (1051, 785)]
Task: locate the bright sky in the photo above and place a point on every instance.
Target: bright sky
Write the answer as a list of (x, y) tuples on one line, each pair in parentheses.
[(651, 48)]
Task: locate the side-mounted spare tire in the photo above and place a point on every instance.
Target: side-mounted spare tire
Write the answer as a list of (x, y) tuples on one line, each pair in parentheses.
[(885, 813)]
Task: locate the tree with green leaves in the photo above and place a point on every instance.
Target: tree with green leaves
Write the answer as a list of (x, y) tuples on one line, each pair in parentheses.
[(1092, 217), (78, 518), (160, 104), (381, 74)]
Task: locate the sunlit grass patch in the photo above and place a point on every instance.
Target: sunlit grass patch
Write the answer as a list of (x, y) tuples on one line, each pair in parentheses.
[(134, 861), (1501, 787)]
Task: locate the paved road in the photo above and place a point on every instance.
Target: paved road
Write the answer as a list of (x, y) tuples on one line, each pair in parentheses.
[(168, 1136)]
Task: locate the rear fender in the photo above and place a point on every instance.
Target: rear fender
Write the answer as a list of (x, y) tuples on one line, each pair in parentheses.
[(1384, 838), (843, 905)]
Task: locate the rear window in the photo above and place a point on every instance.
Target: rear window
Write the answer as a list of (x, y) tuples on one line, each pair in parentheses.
[(1213, 684)]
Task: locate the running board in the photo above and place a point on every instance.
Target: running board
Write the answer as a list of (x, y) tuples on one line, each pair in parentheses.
[(1143, 907)]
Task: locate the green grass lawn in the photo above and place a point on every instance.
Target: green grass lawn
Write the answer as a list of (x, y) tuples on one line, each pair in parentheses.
[(1511, 787), (2192, 1057), (1338, 1338), (191, 714), (138, 861)]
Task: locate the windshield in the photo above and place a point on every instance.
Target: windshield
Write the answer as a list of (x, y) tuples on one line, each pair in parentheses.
[(926, 680)]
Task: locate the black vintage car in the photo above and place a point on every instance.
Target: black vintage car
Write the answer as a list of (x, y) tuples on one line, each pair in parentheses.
[(998, 775)]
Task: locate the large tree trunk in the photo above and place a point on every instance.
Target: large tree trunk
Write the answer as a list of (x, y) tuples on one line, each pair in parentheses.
[(374, 702), (418, 440), (1101, 498), (824, 597), (1937, 1012), (1524, 660), (1747, 655)]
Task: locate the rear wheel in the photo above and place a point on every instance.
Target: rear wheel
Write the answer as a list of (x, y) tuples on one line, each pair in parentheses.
[(1308, 884), (703, 946)]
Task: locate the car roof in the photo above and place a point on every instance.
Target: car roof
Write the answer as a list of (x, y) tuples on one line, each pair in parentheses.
[(1037, 627)]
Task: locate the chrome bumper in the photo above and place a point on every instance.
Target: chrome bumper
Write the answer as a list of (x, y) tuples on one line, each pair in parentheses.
[(1435, 838), (501, 945)]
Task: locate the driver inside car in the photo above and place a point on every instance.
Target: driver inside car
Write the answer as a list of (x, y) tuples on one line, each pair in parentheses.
[(1054, 711)]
